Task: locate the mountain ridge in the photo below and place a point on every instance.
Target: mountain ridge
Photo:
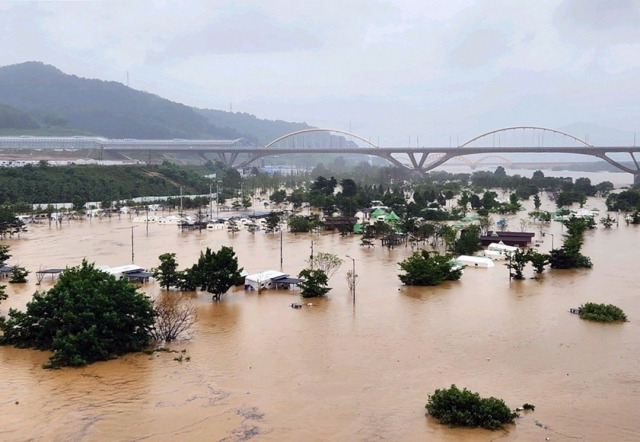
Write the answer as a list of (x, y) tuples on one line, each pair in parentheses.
[(57, 101)]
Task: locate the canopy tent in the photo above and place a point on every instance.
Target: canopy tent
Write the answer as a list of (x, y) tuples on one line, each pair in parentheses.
[(392, 217), (377, 213)]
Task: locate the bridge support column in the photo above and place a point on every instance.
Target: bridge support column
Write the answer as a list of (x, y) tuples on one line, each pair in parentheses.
[(636, 178)]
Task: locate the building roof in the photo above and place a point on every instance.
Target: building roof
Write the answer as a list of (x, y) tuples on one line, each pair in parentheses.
[(266, 275)]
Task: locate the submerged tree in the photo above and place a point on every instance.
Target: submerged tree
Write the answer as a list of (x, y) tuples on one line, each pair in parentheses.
[(314, 283), (463, 408), (216, 272), (538, 260), (167, 272), (426, 268), (18, 275), (87, 316), (469, 241), (517, 261), (602, 312), (174, 317)]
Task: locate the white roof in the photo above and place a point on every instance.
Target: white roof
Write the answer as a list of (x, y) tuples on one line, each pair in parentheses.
[(466, 259), (264, 276), (122, 269)]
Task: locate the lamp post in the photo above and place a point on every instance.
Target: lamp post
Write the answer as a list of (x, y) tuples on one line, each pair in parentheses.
[(280, 247), (353, 278), (132, 253), (217, 205)]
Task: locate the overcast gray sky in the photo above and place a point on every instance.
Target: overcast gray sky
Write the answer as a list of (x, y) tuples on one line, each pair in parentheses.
[(396, 72)]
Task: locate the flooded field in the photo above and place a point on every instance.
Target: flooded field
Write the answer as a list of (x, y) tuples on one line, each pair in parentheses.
[(260, 370)]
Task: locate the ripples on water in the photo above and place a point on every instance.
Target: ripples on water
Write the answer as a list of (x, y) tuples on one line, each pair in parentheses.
[(262, 370)]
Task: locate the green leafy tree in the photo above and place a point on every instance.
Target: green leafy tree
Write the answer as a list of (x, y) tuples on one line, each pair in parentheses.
[(273, 222), (517, 262), (602, 312), (279, 196), (4, 253), (469, 241), (426, 268), (167, 272), (87, 316), (10, 224), (448, 235), (18, 275), (569, 256), (218, 271), (314, 283), (463, 408), (538, 260), (299, 224), (536, 201)]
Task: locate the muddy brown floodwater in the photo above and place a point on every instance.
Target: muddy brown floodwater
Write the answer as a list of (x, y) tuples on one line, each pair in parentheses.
[(260, 370)]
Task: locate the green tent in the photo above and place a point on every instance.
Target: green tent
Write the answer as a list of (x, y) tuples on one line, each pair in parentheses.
[(376, 213), (392, 217), (358, 228)]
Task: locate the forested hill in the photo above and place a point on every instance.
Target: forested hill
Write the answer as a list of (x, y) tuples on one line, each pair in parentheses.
[(43, 184), (39, 99)]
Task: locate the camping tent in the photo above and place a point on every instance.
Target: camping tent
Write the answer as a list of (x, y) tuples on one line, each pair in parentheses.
[(392, 217)]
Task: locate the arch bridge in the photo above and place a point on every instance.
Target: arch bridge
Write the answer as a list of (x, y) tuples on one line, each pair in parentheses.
[(507, 140), (242, 153)]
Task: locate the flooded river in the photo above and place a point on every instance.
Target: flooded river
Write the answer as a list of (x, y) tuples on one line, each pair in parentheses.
[(260, 370)]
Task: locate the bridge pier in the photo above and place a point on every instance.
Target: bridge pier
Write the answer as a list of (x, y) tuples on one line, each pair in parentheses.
[(636, 178)]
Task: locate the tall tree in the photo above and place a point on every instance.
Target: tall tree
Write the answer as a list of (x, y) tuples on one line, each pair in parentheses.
[(167, 272), (217, 271)]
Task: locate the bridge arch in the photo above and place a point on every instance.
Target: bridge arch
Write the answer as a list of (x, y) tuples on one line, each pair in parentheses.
[(305, 131), (487, 157), (536, 128)]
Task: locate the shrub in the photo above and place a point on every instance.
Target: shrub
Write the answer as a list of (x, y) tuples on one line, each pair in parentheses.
[(602, 313), (463, 408)]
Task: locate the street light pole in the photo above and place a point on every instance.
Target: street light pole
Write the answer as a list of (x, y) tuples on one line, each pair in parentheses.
[(132, 254), (353, 279), (210, 203), (217, 205)]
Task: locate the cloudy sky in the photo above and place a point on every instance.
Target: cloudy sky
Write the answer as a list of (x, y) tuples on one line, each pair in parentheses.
[(397, 72)]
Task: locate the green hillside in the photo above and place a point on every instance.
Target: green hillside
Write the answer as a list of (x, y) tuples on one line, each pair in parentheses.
[(39, 99)]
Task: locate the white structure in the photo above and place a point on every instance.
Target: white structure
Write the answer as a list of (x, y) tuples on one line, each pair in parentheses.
[(216, 226), (174, 219), (493, 254), (263, 280), (145, 219), (502, 248), (475, 261), (130, 271)]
